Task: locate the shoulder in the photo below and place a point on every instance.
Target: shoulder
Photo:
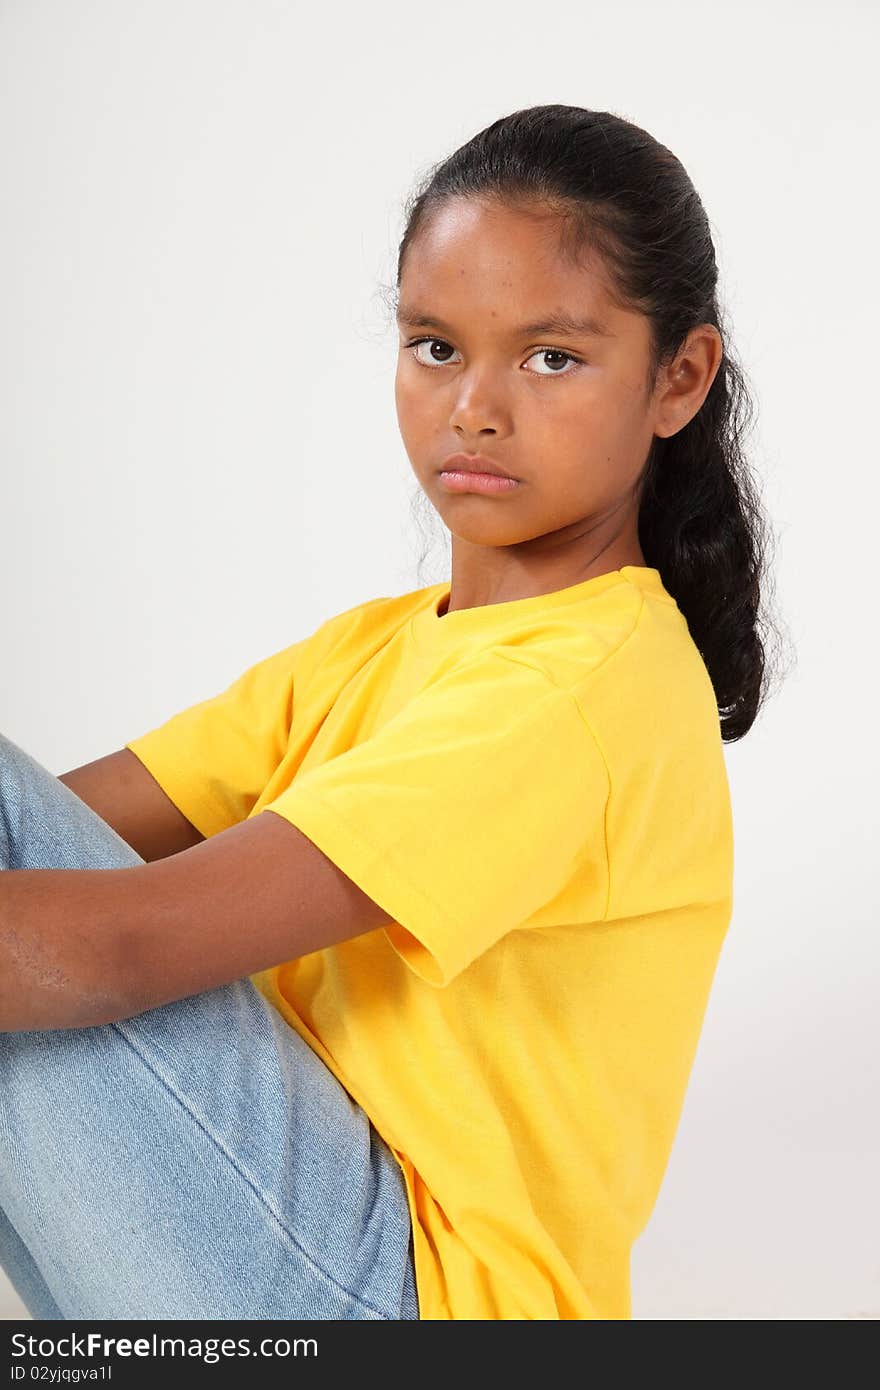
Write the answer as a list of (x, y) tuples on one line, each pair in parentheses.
[(362, 627), (629, 662), (387, 611), (653, 711)]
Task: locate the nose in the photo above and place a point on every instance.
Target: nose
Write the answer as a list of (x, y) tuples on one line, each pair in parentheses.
[(477, 408)]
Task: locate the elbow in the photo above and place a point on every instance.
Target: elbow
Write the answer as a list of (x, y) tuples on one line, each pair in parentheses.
[(68, 1005), (64, 963), (41, 993)]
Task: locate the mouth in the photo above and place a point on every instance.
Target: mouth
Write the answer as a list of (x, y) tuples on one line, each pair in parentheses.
[(475, 463), (489, 484)]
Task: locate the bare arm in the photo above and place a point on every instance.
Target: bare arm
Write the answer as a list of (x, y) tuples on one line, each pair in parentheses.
[(129, 799), (81, 947)]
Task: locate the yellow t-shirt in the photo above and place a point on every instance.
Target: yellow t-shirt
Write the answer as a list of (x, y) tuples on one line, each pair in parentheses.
[(536, 793)]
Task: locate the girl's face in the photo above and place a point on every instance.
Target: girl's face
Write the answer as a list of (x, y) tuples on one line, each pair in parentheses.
[(564, 410)]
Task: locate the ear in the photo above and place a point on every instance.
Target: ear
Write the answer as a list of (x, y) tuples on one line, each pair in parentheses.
[(686, 381)]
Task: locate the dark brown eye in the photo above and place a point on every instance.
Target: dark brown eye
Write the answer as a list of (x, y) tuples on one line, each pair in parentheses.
[(558, 354), (433, 343), (439, 346)]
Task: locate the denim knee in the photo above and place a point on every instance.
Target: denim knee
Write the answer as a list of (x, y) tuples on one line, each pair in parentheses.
[(45, 825)]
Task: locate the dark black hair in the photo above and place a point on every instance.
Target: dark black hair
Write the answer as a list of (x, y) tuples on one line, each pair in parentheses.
[(619, 191)]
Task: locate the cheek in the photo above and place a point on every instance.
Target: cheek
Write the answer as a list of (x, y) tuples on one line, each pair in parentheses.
[(409, 401), (587, 435), (599, 422), (572, 426)]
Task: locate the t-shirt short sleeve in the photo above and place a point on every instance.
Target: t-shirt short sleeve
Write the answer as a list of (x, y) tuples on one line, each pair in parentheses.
[(214, 758), (465, 814)]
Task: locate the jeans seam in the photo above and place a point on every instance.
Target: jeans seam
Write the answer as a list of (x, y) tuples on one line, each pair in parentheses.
[(230, 1158)]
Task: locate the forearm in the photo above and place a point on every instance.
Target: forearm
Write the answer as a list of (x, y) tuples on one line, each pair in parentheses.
[(81, 947), (62, 947)]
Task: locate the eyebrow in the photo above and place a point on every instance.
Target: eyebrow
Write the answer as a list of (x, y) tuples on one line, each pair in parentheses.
[(558, 322)]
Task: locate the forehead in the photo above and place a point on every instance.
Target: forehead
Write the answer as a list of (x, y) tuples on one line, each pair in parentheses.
[(492, 258)]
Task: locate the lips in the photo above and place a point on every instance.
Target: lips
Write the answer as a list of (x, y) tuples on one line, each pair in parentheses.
[(473, 463)]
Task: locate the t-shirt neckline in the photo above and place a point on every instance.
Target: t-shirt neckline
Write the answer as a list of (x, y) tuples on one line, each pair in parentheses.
[(461, 620)]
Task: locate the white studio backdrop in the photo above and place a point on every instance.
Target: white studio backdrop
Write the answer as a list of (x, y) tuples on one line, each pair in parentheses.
[(201, 462)]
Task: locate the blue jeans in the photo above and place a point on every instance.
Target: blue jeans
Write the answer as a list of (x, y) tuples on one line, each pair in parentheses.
[(195, 1161)]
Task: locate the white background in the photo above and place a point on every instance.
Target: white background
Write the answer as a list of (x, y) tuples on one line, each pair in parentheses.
[(201, 462)]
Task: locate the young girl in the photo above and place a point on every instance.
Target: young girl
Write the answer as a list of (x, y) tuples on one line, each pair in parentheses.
[(415, 1044)]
